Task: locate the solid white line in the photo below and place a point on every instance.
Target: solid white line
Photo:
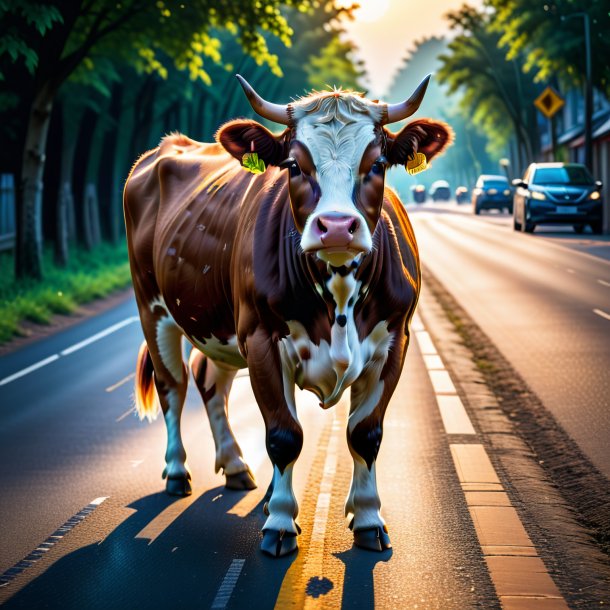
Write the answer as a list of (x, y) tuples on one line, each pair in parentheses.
[(228, 584), (98, 336), (68, 350), (603, 283), (29, 369), (601, 313)]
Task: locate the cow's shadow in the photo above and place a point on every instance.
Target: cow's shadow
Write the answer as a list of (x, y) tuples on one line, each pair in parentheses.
[(358, 583), (183, 566)]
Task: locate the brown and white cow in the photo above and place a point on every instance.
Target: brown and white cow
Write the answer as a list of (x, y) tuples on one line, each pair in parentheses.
[(307, 274)]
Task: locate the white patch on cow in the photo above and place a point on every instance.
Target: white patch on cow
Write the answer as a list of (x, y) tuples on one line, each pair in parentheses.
[(168, 339), (336, 130), (283, 507), (332, 367), (363, 501), (228, 452), (175, 456), (227, 353)]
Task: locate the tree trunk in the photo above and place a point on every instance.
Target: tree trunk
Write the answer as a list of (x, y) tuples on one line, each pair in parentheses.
[(28, 261)]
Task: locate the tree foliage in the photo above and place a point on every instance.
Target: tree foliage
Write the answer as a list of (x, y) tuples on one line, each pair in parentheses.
[(552, 42), (495, 91)]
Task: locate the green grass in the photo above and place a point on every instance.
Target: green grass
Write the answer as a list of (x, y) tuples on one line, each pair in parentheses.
[(89, 276)]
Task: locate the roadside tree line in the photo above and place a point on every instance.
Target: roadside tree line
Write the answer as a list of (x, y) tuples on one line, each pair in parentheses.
[(502, 56), (88, 85)]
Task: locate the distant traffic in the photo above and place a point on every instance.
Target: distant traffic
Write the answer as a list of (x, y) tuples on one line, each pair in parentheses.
[(564, 194)]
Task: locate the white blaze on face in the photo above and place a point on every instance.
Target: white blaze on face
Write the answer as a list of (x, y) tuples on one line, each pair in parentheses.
[(336, 129)]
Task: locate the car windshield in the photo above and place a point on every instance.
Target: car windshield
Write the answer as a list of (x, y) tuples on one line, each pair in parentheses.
[(562, 175), (495, 184)]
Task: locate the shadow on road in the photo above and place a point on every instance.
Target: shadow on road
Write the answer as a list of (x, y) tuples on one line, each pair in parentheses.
[(358, 583), (184, 566)]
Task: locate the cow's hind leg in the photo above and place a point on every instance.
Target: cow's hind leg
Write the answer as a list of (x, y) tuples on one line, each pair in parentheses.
[(214, 380), (164, 349)]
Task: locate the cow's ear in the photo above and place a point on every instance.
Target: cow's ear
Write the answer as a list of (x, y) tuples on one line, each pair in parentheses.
[(424, 136), (243, 136)]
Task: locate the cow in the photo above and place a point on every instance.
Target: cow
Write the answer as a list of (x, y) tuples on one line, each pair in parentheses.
[(307, 274)]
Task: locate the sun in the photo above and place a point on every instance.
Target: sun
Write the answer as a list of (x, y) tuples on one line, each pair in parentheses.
[(371, 10)]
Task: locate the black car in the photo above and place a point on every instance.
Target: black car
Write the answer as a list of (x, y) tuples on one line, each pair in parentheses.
[(440, 191), (557, 193), (461, 195), (492, 192), (419, 193)]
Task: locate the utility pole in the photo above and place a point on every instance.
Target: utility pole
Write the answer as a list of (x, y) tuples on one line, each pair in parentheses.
[(588, 89)]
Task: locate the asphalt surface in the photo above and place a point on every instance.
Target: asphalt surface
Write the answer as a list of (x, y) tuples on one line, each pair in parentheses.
[(543, 300), (68, 437)]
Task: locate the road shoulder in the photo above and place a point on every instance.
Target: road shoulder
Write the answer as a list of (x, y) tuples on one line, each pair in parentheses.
[(36, 332), (561, 499)]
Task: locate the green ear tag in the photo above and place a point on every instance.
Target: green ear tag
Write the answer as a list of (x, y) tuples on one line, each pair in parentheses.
[(252, 163), (417, 163)]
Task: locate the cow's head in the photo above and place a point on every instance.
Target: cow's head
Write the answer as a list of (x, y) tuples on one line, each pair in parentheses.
[(336, 151)]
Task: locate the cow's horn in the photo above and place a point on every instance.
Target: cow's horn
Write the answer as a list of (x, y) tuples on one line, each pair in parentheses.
[(398, 112), (268, 110)]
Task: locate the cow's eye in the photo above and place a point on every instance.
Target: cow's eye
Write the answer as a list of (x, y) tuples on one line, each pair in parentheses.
[(379, 166), (292, 165)]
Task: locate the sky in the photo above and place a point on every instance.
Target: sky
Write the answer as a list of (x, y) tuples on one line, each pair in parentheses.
[(384, 30)]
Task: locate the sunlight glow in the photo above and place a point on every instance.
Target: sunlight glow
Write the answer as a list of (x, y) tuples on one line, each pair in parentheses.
[(369, 10)]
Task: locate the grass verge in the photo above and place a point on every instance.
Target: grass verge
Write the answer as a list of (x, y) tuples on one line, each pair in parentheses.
[(89, 276)]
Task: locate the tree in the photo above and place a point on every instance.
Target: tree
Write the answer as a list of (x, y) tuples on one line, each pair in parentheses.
[(496, 92), (552, 45), (139, 31)]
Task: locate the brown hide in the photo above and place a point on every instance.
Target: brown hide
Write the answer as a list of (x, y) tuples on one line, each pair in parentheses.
[(219, 245)]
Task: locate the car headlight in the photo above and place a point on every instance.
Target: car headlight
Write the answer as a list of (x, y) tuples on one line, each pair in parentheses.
[(538, 195), (594, 195), (506, 192)]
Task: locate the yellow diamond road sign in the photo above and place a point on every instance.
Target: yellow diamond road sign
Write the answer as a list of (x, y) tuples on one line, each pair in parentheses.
[(549, 102)]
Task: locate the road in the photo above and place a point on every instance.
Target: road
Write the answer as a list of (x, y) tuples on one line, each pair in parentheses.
[(544, 301), (69, 440)]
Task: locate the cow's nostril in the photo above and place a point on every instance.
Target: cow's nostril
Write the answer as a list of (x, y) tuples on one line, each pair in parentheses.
[(321, 226), (353, 227)]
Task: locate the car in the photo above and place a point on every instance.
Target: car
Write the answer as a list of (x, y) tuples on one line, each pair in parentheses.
[(557, 193), (461, 195), (440, 191), (419, 193), (492, 192)]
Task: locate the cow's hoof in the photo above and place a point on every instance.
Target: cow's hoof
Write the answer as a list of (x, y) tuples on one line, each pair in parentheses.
[(178, 486), (278, 544), (373, 539), (240, 480)]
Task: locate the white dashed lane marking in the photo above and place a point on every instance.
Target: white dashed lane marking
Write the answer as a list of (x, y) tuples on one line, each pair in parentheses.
[(118, 384), (69, 350), (603, 283), (602, 314), (228, 584), (27, 562)]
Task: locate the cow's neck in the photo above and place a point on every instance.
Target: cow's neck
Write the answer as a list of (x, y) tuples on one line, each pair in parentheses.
[(344, 290)]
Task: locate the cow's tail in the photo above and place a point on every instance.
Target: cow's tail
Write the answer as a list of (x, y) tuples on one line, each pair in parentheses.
[(147, 403)]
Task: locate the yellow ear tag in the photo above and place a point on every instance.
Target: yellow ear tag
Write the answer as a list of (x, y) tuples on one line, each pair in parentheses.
[(252, 163), (417, 163)]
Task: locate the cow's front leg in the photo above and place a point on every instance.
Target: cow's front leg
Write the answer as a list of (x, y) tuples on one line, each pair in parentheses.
[(369, 398), (284, 439)]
